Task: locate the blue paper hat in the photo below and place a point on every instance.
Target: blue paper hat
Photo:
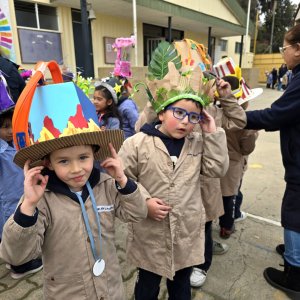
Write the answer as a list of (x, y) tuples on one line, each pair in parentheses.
[(51, 117)]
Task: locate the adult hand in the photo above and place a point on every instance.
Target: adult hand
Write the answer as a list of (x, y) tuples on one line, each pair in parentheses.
[(157, 209), (114, 167)]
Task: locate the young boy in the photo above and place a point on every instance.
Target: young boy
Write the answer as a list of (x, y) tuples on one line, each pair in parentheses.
[(167, 159), (68, 209), (11, 177)]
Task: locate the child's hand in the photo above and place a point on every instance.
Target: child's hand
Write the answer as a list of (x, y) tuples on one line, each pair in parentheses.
[(157, 209), (114, 167), (223, 88), (207, 123), (34, 188)]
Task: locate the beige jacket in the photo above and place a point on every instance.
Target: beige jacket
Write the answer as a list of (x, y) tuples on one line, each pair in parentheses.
[(240, 144), (231, 117), (176, 242), (60, 235)]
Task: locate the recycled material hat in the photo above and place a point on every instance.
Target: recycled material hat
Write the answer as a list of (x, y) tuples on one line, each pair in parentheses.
[(226, 67), (171, 78), (55, 116), (6, 102)]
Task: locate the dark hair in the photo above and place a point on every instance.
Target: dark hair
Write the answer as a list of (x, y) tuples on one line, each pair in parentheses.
[(233, 81), (6, 116), (112, 110), (293, 35)]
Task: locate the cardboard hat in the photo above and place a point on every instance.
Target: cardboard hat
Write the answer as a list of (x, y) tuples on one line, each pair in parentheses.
[(227, 67), (171, 77), (55, 116), (6, 102)]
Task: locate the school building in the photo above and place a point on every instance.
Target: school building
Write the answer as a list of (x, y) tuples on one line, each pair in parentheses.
[(52, 29)]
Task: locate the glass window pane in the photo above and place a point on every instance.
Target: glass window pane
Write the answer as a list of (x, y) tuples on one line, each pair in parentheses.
[(25, 14), (47, 17)]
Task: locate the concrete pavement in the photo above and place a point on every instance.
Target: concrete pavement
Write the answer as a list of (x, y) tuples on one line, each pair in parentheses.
[(236, 275)]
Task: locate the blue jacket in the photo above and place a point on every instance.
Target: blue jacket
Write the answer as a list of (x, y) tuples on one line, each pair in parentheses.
[(284, 115), (130, 114), (11, 183), (112, 123)]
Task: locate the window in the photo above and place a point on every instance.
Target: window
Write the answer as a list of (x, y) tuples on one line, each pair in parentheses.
[(238, 47), (35, 15), (223, 45)]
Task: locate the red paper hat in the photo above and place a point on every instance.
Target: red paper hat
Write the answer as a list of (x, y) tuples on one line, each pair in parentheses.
[(227, 67)]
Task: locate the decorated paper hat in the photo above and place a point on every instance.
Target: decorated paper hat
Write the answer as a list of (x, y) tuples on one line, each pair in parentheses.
[(122, 63), (115, 85), (6, 102), (227, 67), (51, 117), (170, 80)]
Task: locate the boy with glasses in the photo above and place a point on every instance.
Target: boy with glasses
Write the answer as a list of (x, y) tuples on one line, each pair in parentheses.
[(168, 158)]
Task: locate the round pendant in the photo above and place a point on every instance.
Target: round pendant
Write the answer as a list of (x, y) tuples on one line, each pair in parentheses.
[(99, 267)]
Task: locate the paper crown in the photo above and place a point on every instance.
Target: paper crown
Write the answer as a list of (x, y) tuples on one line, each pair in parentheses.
[(6, 102), (51, 117), (227, 67), (172, 78)]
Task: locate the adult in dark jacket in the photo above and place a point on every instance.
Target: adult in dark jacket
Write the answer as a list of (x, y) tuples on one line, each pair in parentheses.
[(274, 77), (14, 80), (284, 115)]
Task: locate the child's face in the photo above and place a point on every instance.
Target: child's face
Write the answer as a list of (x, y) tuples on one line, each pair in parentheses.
[(6, 133), (174, 127), (100, 102), (73, 165)]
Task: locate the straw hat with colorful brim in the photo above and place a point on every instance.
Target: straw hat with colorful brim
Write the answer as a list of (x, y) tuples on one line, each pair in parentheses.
[(169, 80), (51, 117)]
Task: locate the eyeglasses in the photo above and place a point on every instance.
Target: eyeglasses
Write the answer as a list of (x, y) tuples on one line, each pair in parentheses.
[(282, 49), (180, 114)]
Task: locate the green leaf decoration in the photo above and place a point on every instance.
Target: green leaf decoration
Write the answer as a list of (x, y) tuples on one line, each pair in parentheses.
[(163, 54)]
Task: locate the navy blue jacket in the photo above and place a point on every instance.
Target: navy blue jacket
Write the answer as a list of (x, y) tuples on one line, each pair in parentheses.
[(284, 115)]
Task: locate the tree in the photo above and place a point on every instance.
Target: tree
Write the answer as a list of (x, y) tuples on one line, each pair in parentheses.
[(284, 13)]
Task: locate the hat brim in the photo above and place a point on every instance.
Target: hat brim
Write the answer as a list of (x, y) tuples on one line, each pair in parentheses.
[(254, 93), (37, 151)]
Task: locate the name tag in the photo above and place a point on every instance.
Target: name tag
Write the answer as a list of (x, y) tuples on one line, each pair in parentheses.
[(104, 208)]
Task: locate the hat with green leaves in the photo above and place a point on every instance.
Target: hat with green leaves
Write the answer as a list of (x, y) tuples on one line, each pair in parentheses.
[(168, 80)]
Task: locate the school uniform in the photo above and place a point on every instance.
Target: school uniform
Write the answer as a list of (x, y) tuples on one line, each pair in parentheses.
[(177, 242), (58, 231)]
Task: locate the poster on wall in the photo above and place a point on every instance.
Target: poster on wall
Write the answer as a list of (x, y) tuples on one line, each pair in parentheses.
[(6, 43)]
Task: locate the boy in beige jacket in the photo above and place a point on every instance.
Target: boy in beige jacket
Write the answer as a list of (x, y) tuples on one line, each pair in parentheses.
[(168, 160), (68, 209)]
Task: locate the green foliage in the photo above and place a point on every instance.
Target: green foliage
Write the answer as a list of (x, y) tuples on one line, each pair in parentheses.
[(163, 54), (85, 84)]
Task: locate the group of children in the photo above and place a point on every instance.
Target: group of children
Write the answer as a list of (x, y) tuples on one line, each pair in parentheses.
[(167, 181)]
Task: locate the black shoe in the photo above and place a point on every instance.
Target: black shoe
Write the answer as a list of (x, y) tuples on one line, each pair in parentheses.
[(33, 266), (287, 280), (280, 249)]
